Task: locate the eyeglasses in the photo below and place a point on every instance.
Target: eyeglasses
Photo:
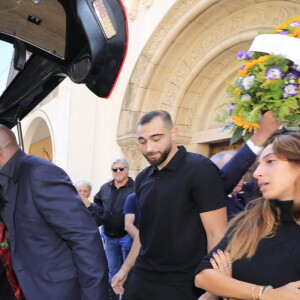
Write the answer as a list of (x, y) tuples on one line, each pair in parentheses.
[(116, 169)]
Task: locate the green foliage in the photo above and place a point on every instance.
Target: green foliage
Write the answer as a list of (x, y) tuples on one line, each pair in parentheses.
[(256, 93), (237, 135)]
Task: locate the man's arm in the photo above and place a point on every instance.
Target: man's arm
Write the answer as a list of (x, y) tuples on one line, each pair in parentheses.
[(97, 213), (96, 208), (131, 214), (129, 225), (214, 223), (118, 280), (233, 171), (215, 227)]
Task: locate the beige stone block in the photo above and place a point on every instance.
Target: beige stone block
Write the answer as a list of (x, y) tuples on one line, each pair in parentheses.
[(159, 77), (188, 99), (174, 54)]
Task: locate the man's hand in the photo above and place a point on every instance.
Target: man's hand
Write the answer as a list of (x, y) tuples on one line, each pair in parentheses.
[(268, 126), (117, 282)]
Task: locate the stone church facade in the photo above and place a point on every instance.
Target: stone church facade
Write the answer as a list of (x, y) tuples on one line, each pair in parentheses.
[(180, 55)]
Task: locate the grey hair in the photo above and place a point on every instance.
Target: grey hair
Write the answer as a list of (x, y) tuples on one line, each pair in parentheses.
[(83, 182), (218, 158), (120, 160)]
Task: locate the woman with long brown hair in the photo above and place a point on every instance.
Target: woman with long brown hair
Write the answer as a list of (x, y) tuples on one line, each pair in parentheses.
[(261, 258)]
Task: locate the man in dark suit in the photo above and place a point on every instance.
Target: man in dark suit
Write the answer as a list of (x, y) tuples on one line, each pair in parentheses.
[(234, 165), (55, 244), (242, 193)]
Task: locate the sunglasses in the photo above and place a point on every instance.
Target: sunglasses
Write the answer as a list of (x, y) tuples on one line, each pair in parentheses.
[(116, 169)]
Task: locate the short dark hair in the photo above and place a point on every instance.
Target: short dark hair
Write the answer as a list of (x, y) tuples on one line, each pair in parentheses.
[(164, 115)]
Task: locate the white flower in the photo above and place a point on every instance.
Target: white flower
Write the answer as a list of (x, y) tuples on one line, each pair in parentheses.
[(245, 97), (248, 82)]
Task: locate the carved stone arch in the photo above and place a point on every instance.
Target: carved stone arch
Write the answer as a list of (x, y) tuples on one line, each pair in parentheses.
[(38, 137), (186, 62)]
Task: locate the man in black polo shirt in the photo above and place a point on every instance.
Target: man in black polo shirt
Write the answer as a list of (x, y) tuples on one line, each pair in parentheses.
[(183, 215), (110, 200)]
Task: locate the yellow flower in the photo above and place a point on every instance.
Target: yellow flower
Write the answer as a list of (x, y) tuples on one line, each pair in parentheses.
[(251, 63), (266, 83), (246, 125), (285, 24), (237, 91), (228, 84)]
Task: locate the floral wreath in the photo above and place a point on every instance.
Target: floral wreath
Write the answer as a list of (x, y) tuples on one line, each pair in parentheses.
[(268, 80)]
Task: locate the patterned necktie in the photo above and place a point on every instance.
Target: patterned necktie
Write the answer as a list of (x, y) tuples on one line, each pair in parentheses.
[(6, 260)]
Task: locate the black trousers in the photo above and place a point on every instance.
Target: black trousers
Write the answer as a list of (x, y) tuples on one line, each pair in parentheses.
[(138, 288), (6, 292)]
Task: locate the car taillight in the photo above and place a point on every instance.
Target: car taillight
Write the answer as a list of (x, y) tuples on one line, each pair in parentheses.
[(104, 19)]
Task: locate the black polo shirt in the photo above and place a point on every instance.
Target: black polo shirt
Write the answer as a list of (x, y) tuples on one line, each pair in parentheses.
[(172, 236), (111, 201)]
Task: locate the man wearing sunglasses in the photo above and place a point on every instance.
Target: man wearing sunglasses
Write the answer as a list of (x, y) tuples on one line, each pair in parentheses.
[(111, 199)]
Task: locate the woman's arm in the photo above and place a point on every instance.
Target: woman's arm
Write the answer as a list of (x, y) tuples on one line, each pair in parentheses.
[(225, 286)]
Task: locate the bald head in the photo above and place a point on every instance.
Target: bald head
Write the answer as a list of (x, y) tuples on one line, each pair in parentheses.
[(7, 137), (8, 145)]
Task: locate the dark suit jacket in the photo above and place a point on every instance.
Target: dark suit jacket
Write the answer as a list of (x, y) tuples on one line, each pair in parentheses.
[(56, 249), (245, 195), (233, 171)]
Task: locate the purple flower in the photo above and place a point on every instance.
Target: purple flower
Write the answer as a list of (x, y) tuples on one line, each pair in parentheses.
[(239, 81), (274, 73), (295, 67), (290, 90), (296, 23), (231, 108), (285, 95), (243, 55), (291, 77), (283, 32)]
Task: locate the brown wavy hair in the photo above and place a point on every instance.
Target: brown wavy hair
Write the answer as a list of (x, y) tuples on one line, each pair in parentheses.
[(260, 219)]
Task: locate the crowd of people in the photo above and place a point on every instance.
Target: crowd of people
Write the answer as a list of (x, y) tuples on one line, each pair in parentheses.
[(187, 228)]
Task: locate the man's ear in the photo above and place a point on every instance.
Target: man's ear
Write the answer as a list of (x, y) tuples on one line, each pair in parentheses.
[(174, 134)]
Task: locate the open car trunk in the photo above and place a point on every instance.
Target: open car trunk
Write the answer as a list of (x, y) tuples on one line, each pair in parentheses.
[(85, 40)]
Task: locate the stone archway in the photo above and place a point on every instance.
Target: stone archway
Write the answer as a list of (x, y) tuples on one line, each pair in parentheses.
[(186, 62), (38, 140)]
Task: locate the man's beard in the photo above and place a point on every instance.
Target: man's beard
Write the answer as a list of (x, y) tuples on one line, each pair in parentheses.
[(161, 159), (120, 178)]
